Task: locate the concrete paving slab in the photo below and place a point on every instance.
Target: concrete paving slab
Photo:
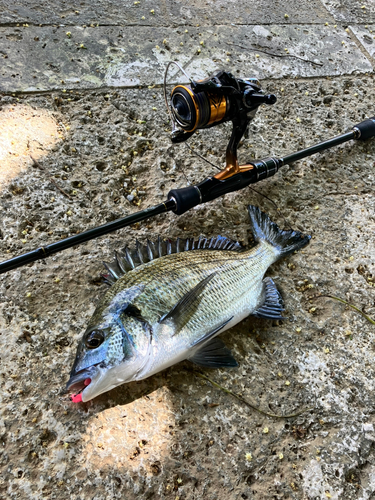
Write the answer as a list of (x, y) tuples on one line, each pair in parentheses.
[(247, 12), (127, 12), (173, 434), (351, 12), (169, 12), (107, 153), (31, 129), (366, 36), (50, 58)]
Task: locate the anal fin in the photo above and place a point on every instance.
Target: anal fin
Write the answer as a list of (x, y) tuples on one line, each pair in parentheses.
[(214, 354), (273, 304)]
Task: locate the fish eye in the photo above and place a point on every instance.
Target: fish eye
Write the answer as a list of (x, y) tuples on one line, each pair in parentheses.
[(94, 339)]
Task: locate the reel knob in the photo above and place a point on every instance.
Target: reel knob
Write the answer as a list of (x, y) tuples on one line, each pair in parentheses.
[(253, 99)]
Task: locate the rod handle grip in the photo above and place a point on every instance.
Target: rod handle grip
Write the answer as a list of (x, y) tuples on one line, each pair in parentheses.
[(185, 198), (366, 129)]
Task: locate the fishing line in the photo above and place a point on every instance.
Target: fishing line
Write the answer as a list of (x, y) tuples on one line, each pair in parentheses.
[(202, 157), (275, 205), (179, 167), (246, 402)]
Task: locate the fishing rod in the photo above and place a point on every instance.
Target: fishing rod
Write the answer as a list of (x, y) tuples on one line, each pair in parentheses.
[(204, 104)]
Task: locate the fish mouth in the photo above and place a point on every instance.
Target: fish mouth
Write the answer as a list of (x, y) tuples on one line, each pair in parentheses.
[(79, 381), (90, 382)]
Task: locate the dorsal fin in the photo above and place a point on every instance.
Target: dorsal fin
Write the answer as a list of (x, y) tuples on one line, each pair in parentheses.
[(128, 258)]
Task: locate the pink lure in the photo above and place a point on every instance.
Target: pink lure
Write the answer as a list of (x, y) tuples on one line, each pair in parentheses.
[(77, 398)]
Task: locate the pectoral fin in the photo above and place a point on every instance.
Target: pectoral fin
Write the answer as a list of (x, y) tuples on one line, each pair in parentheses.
[(185, 307), (273, 303), (214, 354)]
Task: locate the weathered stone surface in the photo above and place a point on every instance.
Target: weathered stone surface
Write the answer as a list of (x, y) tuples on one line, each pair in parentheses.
[(366, 35), (131, 437), (222, 12), (174, 435), (124, 13), (31, 129), (351, 12), (54, 58), (159, 13)]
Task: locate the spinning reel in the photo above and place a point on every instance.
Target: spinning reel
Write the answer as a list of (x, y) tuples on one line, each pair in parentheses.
[(214, 100)]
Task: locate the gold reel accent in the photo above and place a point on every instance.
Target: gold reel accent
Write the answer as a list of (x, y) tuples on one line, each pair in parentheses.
[(232, 168), (192, 95)]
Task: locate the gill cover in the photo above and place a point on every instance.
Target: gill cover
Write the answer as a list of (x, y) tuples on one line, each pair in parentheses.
[(111, 329)]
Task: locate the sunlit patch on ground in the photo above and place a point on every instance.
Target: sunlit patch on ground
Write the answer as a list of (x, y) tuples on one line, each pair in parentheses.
[(134, 436), (24, 131)]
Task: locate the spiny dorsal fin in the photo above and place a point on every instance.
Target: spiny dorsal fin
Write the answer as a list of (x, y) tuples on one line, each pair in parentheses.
[(128, 259)]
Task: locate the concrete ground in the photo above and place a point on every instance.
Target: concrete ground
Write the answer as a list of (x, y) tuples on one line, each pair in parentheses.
[(80, 92)]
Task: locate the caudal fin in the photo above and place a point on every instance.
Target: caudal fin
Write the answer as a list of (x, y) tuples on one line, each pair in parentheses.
[(285, 242)]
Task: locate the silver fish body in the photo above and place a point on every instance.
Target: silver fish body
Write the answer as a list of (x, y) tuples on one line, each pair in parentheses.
[(173, 307)]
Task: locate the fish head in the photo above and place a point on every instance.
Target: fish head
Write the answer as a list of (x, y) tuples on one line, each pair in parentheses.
[(113, 350)]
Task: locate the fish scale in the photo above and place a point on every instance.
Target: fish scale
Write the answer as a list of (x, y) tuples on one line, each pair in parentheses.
[(173, 307), (189, 269)]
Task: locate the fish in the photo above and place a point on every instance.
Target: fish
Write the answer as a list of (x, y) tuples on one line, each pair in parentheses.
[(169, 300)]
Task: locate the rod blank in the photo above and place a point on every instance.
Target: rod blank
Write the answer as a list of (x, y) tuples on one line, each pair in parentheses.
[(43, 252), (205, 191)]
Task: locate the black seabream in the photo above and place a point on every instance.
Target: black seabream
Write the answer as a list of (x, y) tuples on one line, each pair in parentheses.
[(168, 302)]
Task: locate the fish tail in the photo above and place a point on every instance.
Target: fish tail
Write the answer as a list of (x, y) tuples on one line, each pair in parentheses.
[(284, 242)]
